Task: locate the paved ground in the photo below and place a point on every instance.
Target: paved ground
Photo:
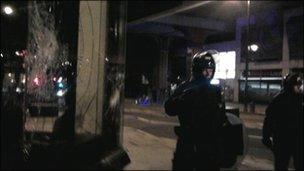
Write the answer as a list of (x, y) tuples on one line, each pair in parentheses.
[(150, 140)]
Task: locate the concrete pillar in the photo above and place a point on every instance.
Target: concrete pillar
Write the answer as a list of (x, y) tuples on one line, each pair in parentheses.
[(189, 62), (238, 73), (113, 96), (90, 66), (191, 51), (288, 64), (162, 69), (285, 51)]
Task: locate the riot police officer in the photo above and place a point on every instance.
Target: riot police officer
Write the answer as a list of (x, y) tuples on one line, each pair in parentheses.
[(284, 124), (197, 104)]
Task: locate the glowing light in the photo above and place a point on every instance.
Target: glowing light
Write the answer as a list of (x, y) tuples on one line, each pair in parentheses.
[(263, 78), (17, 53), (253, 47), (59, 79), (225, 65), (1, 55), (60, 85), (9, 74), (18, 90), (215, 81), (144, 101), (173, 87), (8, 10), (60, 93), (54, 79), (23, 80), (36, 81), (21, 53)]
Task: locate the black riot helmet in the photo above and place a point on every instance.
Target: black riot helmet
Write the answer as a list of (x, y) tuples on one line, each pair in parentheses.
[(290, 80), (201, 61)]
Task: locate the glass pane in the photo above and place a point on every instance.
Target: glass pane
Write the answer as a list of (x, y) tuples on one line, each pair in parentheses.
[(274, 87), (263, 85)]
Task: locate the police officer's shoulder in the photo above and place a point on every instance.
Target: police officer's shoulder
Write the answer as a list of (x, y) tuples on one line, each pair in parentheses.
[(280, 96)]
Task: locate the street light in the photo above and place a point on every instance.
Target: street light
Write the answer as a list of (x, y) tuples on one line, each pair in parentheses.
[(8, 10), (247, 59), (253, 47)]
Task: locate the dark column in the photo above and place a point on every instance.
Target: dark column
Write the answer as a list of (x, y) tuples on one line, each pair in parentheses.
[(161, 69), (112, 122)]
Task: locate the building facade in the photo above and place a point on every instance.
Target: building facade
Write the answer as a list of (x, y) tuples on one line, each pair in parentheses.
[(279, 53)]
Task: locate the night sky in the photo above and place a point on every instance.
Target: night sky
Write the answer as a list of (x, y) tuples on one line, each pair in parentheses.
[(14, 27)]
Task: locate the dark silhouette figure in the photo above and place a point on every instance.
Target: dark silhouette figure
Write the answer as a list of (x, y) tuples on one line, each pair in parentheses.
[(284, 124), (12, 132), (197, 104)]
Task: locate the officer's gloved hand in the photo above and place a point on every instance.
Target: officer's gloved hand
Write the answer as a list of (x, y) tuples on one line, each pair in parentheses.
[(267, 142)]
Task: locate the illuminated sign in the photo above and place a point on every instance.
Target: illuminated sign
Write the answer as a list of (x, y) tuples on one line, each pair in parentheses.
[(225, 65)]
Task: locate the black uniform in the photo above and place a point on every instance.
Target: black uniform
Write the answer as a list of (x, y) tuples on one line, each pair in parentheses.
[(284, 123), (198, 107)]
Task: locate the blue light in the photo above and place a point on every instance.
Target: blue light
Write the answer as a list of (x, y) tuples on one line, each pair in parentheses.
[(144, 101), (60, 85)]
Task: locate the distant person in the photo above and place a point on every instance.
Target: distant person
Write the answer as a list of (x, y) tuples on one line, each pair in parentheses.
[(197, 104), (284, 124), (145, 85)]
